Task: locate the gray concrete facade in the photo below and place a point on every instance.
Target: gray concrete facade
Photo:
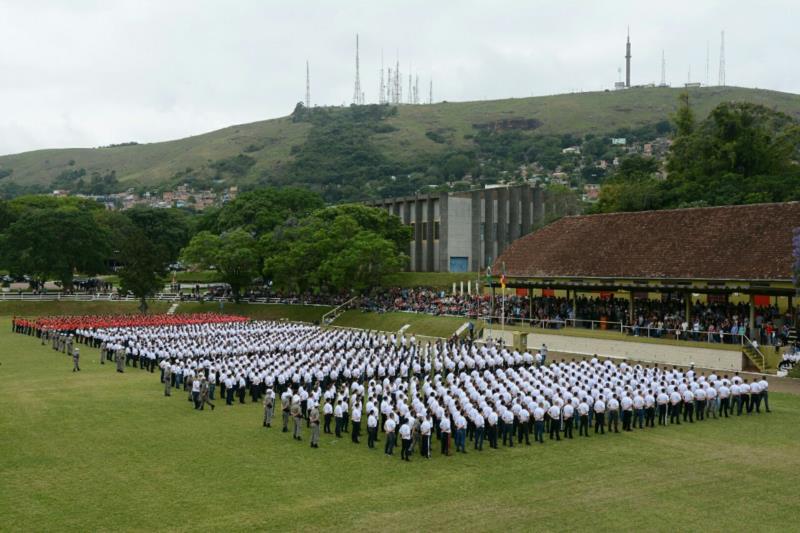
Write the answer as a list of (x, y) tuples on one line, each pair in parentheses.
[(468, 230)]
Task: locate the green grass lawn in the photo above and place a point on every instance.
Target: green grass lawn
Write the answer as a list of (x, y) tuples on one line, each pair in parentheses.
[(420, 323), (34, 308), (99, 450), (301, 313), (618, 336)]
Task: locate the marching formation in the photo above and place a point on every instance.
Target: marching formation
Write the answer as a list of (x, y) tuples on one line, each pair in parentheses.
[(407, 393)]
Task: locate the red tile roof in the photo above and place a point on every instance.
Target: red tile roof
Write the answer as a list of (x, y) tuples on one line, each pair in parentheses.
[(749, 242)]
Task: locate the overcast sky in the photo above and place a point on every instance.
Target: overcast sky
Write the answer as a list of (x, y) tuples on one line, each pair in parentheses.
[(88, 73)]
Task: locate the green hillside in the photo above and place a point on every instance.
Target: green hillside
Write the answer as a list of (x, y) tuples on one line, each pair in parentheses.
[(415, 138)]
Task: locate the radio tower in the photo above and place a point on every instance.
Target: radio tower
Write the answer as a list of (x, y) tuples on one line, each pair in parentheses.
[(708, 63), (358, 96), (663, 70), (382, 86), (308, 87), (430, 92), (721, 79), (628, 60)]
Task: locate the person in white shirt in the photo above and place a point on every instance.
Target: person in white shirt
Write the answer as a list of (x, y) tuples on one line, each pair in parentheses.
[(327, 412), (444, 429), (372, 429), (583, 412), (688, 406), (405, 442), (764, 386), (567, 412), (425, 438), (355, 418), (600, 416), (538, 423), (388, 428)]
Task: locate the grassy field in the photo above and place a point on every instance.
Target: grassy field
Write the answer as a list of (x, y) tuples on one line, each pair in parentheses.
[(99, 450), (302, 313), (618, 336), (270, 142), (33, 308), (420, 324)]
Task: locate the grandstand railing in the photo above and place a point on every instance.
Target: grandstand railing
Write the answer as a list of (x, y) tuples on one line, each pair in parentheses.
[(334, 313), (715, 337)]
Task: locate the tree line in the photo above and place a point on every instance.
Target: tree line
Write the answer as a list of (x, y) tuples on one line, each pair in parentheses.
[(742, 153), (282, 236)]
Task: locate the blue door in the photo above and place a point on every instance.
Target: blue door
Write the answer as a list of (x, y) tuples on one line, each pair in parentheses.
[(458, 264)]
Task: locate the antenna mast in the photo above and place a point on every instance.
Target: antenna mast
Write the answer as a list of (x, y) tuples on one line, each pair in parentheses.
[(721, 79), (308, 87), (358, 95)]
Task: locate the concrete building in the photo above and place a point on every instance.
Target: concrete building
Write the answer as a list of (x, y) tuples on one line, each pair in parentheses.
[(466, 231)]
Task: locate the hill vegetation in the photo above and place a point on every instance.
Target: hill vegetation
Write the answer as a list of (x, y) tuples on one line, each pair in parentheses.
[(375, 151)]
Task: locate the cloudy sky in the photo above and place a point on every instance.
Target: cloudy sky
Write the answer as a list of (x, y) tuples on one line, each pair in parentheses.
[(89, 73)]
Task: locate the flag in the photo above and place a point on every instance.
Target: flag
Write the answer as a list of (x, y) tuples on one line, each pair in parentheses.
[(503, 281)]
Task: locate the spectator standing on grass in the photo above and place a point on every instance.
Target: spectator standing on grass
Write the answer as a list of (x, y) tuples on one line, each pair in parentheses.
[(167, 370), (76, 355), (297, 417), (313, 418)]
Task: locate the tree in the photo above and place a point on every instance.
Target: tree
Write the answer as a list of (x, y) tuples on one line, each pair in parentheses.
[(234, 254), (633, 187), (55, 243), (147, 241), (336, 249), (262, 210)]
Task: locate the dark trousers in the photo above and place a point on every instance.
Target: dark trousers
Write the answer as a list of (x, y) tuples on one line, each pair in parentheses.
[(701, 409), (356, 431), (688, 411), (650, 417), (600, 423), (389, 446), (372, 433), (445, 443), (538, 430), (425, 446), (327, 425), (405, 449), (567, 428), (555, 428), (662, 415), (583, 428), (229, 396), (675, 414), (508, 436), (339, 425), (724, 404), (493, 436), (523, 433), (627, 418)]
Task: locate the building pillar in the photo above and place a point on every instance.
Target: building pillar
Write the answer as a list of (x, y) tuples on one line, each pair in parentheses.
[(575, 304), (687, 300), (752, 317), (429, 248), (502, 219), (489, 235), (406, 219), (475, 246), (538, 207), (418, 264), (527, 199), (630, 307), (514, 222), (444, 253)]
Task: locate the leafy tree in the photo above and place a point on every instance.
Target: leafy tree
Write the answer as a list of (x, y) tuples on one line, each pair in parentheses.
[(336, 249), (147, 241), (262, 210), (55, 243), (234, 254)]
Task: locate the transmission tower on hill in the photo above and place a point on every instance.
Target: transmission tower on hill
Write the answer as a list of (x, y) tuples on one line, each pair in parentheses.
[(358, 95), (721, 79), (308, 87)]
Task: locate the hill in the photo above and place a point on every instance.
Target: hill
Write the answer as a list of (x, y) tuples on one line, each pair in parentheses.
[(346, 152)]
